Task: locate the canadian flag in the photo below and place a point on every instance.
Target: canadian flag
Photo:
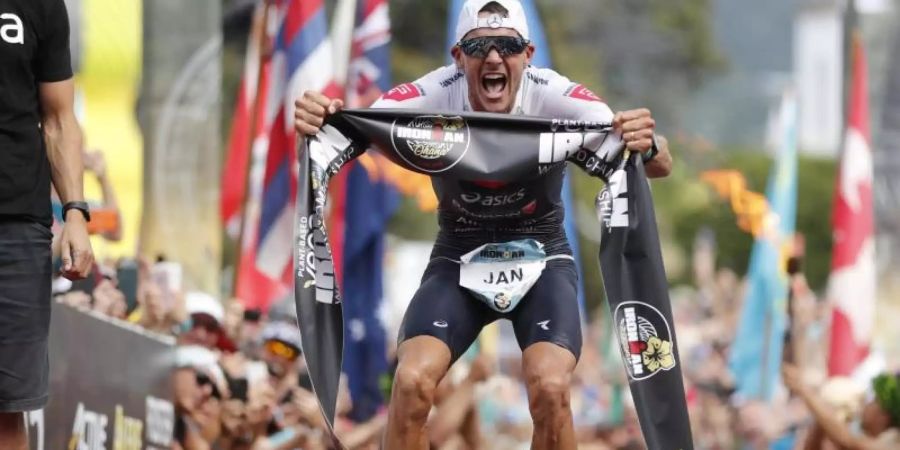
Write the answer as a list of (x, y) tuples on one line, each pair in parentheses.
[(851, 287)]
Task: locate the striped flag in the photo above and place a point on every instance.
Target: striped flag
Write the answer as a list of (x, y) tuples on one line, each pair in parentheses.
[(245, 166), (237, 160), (851, 286), (301, 61)]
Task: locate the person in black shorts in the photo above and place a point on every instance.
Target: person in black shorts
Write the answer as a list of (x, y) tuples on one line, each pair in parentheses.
[(39, 141), (519, 222)]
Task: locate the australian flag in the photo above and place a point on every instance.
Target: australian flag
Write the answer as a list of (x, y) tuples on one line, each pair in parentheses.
[(369, 204)]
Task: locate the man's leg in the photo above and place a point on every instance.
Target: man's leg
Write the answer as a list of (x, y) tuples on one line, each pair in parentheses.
[(423, 362), (548, 329), (440, 323), (25, 272), (12, 431), (548, 371)]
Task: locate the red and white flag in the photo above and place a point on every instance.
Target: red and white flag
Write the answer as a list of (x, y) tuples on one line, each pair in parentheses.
[(851, 287), (244, 133)]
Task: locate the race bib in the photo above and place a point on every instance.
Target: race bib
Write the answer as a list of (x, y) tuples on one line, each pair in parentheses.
[(501, 274)]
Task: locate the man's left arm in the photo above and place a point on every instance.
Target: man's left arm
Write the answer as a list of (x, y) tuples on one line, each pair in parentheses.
[(62, 136), (637, 127), (562, 98)]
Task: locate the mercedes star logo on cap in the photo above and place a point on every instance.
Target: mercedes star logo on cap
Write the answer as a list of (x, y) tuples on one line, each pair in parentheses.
[(495, 21)]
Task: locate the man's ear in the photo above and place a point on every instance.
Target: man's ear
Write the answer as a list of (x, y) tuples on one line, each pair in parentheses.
[(529, 53), (457, 56)]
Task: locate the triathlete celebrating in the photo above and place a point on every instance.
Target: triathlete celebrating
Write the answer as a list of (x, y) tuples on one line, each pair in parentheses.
[(516, 225)]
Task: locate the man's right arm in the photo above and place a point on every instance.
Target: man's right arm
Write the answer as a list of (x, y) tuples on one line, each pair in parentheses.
[(432, 91)]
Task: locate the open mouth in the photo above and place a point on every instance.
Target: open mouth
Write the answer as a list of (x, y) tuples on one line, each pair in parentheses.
[(494, 84)]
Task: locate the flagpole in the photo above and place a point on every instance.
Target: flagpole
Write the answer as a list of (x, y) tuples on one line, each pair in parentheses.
[(262, 28), (850, 34), (342, 39), (767, 343)]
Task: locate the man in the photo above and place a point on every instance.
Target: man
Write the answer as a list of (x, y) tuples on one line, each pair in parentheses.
[(204, 325), (492, 73), (281, 352), (39, 141)]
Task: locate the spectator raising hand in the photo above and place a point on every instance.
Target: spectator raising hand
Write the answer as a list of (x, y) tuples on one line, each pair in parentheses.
[(106, 217), (879, 419)]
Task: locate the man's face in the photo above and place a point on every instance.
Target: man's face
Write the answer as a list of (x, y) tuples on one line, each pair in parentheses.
[(280, 358), (493, 80)]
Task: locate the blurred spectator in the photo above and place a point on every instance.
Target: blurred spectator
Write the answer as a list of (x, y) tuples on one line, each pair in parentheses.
[(281, 353), (879, 420), (106, 219), (199, 387), (158, 308), (203, 326), (107, 298), (454, 422)]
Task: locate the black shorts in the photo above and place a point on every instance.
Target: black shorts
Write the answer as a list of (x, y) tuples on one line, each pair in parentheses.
[(25, 276), (548, 313)]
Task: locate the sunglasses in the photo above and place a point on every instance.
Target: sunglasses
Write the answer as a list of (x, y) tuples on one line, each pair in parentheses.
[(479, 47), (204, 380), (281, 349)]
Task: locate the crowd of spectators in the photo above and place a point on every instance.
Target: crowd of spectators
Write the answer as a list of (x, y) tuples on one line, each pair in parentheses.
[(239, 379)]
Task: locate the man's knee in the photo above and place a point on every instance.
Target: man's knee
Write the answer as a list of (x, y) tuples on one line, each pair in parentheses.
[(548, 374), (548, 392), (414, 391)]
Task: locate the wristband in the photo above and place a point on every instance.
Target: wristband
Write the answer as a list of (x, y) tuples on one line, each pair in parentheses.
[(81, 206), (654, 150)]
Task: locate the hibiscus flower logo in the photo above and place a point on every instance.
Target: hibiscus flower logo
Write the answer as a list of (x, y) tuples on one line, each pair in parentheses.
[(658, 355), (645, 340)]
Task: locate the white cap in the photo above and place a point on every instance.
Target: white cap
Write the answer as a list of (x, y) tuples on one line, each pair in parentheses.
[(284, 332), (469, 20), (197, 302)]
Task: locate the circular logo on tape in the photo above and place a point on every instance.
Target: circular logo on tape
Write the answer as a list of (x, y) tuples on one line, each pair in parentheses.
[(645, 339), (431, 144), (502, 301)]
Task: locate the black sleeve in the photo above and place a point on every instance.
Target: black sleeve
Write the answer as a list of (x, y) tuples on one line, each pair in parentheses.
[(54, 62)]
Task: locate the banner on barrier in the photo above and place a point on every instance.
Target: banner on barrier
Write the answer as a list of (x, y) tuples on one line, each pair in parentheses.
[(109, 386)]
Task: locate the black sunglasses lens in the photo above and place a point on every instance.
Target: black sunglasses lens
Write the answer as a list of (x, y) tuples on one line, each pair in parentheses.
[(510, 46), (203, 380), (505, 45)]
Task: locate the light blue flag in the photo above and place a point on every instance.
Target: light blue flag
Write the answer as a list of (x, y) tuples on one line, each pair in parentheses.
[(541, 59), (756, 352)]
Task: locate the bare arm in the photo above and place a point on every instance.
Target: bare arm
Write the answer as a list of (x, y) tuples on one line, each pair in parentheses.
[(455, 411), (63, 139), (830, 425), (451, 413), (95, 162), (661, 165)]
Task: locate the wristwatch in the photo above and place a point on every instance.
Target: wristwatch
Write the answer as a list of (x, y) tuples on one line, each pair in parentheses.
[(654, 150), (81, 206)]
